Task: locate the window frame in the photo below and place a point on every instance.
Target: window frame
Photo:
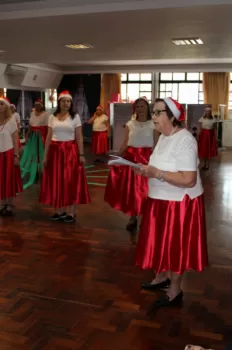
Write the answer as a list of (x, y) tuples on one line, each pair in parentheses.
[(185, 81), (139, 82)]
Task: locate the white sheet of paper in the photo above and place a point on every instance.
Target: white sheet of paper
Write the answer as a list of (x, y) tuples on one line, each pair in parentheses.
[(122, 161)]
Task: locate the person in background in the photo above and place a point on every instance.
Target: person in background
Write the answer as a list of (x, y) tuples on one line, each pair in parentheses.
[(31, 161), (100, 134), (64, 182), (207, 141), (172, 237), (126, 191), (10, 178), (16, 116)]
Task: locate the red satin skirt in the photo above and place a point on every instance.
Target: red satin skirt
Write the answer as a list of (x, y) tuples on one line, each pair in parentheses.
[(64, 181), (173, 236), (100, 143), (41, 130), (10, 176), (207, 144), (126, 191)]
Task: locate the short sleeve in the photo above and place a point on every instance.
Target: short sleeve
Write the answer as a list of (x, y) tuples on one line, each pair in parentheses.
[(50, 121), (200, 120), (17, 117), (106, 118), (186, 154), (129, 124), (13, 126), (77, 121)]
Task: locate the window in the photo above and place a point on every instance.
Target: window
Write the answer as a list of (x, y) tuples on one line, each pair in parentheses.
[(184, 87), (230, 94), (48, 103), (134, 85)]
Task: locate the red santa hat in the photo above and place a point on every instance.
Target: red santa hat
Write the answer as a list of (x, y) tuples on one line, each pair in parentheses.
[(65, 94), (176, 108), (5, 100), (100, 107), (39, 102)]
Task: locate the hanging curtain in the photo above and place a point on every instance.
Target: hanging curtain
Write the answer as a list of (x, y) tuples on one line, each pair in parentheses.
[(1, 92), (216, 87), (52, 97), (110, 84)]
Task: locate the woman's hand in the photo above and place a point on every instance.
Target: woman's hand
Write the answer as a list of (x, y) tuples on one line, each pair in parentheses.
[(16, 161), (82, 160), (149, 171), (45, 162)]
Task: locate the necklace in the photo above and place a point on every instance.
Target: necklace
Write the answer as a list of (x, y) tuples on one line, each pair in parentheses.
[(173, 130)]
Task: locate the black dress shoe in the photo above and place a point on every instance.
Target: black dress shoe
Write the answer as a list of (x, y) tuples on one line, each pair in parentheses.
[(165, 301), (132, 225), (153, 287)]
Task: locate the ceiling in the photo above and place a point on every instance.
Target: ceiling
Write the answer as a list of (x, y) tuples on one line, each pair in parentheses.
[(122, 40)]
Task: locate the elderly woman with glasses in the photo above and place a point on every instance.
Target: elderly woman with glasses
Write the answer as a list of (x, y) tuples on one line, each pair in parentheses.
[(173, 232)]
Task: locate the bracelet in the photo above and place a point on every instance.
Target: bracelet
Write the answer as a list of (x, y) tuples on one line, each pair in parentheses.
[(162, 175)]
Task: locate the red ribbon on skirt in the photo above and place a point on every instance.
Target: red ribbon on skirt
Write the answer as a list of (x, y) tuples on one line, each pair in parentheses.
[(64, 181), (10, 176), (100, 142), (126, 191), (41, 130), (173, 236), (207, 144)]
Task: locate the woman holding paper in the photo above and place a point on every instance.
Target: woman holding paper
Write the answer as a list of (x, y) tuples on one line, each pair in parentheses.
[(172, 236), (126, 191)]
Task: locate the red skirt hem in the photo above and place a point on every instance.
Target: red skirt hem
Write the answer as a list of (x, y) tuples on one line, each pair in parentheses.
[(207, 144), (10, 176), (64, 181), (125, 191), (100, 142), (173, 236)]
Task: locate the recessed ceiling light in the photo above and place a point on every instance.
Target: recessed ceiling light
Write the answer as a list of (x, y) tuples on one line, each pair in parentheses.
[(78, 46), (187, 41)]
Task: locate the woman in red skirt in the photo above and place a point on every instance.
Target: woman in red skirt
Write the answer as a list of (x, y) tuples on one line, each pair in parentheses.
[(172, 236), (207, 142), (10, 178), (100, 143), (64, 182), (126, 191)]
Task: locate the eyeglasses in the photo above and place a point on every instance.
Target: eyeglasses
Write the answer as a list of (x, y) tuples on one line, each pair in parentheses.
[(157, 112)]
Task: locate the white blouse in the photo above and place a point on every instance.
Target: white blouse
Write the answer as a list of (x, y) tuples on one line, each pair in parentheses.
[(99, 123), (6, 131), (38, 120), (141, 134), (174, 153), (16, 116), (206, 123), (64, 130)]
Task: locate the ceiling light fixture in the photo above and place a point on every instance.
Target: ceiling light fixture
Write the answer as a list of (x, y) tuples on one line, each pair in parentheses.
[(78, 46), (187, 41)]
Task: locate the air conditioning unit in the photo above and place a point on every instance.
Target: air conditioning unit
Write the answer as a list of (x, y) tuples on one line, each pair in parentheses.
[(14, 70)]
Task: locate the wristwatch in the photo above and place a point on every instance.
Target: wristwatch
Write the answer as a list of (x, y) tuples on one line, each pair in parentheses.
[(162, 175)]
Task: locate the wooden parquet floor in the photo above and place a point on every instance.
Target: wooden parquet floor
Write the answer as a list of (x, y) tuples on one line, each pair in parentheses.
[(74, 286)]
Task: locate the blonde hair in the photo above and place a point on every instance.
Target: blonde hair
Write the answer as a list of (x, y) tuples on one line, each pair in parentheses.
[(7, 113)]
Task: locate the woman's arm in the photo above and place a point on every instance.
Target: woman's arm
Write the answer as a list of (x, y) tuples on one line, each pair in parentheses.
[(80, 143), (185, 179), (90, 121), (15, 137), (125, 142), (47, 144)]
